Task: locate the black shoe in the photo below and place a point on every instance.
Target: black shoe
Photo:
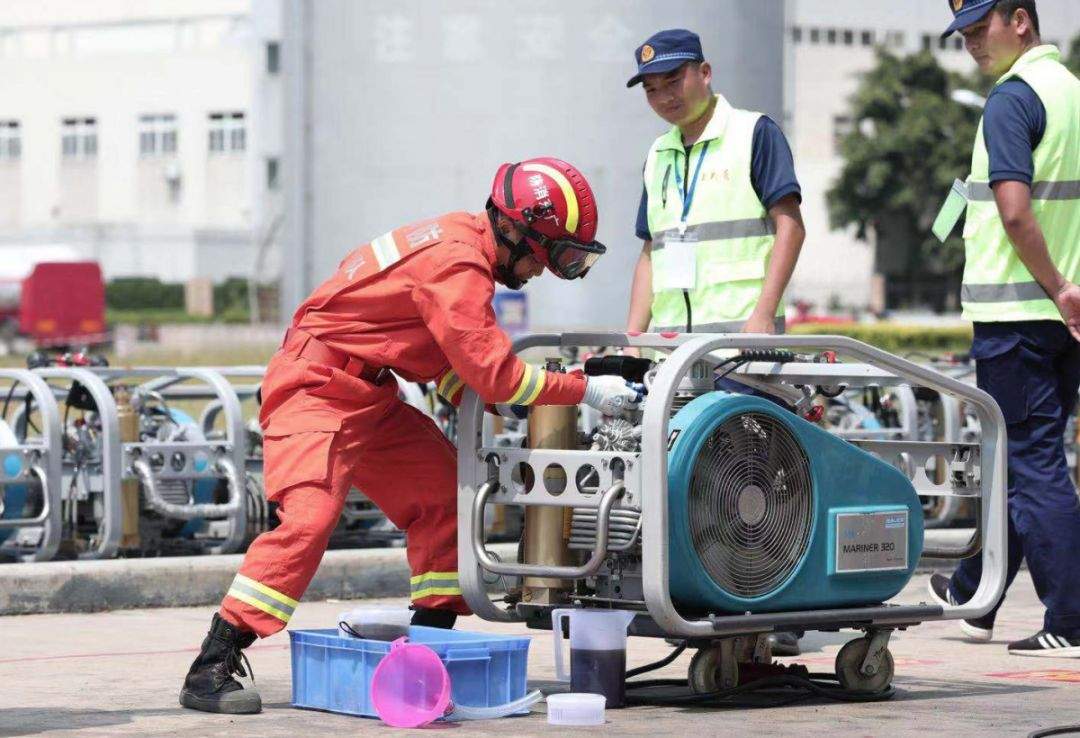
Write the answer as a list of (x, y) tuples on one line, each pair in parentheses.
[(1044, 643), (209, 685), (784, 643), (432, 618), (976, 629)]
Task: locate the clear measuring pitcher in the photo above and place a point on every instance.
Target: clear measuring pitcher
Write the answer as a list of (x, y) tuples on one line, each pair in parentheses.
[(597, 651)]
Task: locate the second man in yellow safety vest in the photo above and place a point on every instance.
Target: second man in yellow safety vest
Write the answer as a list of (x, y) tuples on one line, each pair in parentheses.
[(719, 213)]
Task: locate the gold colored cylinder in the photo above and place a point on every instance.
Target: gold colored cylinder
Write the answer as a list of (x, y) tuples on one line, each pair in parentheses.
[(128, 421), (547, 527)]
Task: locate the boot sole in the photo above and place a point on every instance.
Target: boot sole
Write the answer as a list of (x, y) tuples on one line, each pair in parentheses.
[(246, 706), (1049, 653)]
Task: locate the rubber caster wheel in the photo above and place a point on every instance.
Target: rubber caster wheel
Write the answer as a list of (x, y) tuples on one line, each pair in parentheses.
[(713, 669), (849, 663)]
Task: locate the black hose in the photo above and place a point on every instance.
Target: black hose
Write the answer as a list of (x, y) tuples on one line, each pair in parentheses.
[(1057, 730), (809, 688), (656, 664)]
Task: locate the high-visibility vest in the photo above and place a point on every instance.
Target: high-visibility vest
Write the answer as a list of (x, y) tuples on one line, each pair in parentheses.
[(733, 233), (997, 286)]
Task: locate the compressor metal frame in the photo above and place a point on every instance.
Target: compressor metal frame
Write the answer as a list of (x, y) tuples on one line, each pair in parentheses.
[(40, 459), (485, 475), (225, 458)]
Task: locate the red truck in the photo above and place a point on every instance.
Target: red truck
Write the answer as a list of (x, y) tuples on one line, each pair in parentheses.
[(58, 303)]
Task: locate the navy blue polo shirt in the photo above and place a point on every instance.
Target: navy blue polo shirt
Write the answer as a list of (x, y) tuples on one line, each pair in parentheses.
[(1014, 123), (772, 172)]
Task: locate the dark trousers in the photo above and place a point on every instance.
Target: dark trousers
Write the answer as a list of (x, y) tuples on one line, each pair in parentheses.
[(1032, 370)]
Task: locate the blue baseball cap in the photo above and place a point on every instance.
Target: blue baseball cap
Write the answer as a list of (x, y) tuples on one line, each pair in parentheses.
[(966, 12), (665, 51)]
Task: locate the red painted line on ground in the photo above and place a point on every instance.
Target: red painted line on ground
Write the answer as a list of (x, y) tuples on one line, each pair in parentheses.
[(1046, 675), (125, 653), (899, 660)]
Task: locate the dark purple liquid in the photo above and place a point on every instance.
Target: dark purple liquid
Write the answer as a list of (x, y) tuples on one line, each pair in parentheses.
[(599, 672)]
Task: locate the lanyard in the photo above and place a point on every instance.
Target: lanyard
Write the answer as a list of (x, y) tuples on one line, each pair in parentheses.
[(688, 195)]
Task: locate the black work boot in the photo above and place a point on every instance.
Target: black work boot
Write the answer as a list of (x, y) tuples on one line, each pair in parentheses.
[(209, 685), (432, 618)]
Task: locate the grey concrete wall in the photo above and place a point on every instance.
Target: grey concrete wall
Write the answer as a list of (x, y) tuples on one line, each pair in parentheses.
[(395, 112)]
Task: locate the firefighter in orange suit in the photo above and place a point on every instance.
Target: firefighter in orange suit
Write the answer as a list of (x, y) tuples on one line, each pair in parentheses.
[(416, 300)]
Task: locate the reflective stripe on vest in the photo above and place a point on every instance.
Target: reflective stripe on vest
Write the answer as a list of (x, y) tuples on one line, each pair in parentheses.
[(734, 237), (719, 231), (996, 285), (983, 192)]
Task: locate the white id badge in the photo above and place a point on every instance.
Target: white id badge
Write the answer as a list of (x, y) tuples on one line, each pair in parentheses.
[(681, 263)]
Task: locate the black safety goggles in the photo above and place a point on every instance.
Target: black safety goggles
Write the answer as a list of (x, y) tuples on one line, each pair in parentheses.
[(567, 257)]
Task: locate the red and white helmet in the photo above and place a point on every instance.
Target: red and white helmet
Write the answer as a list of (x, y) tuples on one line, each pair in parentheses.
[(554, 204)]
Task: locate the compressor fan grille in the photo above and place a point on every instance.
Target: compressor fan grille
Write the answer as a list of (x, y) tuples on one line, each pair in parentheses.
[(750, 504)]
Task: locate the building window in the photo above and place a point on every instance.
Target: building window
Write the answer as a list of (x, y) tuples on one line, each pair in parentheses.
[(927, 42), (78, 139), (831, 36), (849, 38), (273, 57), (227, 133), (815, 35), (10, 140), (796, 34), (157, 134), (842, 127), (867, 38), (894, 39), (273, 174), (958, 42)]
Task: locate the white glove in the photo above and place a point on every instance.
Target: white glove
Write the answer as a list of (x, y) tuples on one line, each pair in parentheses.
[(611, 396)]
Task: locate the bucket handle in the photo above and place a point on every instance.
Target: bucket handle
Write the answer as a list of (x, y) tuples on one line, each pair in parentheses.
[(557, 616)]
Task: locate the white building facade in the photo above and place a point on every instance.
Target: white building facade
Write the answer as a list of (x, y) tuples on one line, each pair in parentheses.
[(137, 132)]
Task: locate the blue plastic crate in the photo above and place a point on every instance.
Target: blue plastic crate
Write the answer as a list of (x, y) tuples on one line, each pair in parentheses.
[(334, 673)]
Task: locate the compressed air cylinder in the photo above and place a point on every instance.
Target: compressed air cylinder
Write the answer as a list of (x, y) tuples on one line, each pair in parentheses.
[(547, 528), (128, 421)]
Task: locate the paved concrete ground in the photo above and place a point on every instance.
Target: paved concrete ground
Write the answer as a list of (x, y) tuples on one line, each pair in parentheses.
[(118, 674)]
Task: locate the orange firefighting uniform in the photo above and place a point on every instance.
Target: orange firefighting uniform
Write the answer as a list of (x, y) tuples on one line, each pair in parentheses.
[(416, 300)]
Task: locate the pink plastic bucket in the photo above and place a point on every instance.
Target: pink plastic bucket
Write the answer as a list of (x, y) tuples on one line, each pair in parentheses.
[(410, 686)]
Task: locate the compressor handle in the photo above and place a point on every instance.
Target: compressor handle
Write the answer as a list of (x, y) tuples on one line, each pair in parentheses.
[(590, 567)]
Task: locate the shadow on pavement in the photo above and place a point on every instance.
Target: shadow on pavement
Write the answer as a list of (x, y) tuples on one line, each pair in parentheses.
[(21, 721)]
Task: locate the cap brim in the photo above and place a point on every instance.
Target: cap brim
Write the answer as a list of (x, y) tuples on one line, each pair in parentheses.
[(659, 67), (974, 14)]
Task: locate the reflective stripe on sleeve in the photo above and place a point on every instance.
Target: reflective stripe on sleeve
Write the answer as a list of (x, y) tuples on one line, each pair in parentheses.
[(530, 386)]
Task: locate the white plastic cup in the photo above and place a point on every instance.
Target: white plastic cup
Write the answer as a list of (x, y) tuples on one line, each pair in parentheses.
[(575, 708), (376, 623)]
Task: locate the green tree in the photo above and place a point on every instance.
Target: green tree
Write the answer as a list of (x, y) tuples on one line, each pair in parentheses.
[(909, 141)]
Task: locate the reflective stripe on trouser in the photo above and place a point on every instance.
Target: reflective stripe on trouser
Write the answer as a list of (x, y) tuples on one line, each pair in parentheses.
[(727, 326), (267, 599), (434, 583)]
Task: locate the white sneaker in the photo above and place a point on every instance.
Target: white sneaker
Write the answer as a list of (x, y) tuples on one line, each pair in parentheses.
[(980, 630)]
